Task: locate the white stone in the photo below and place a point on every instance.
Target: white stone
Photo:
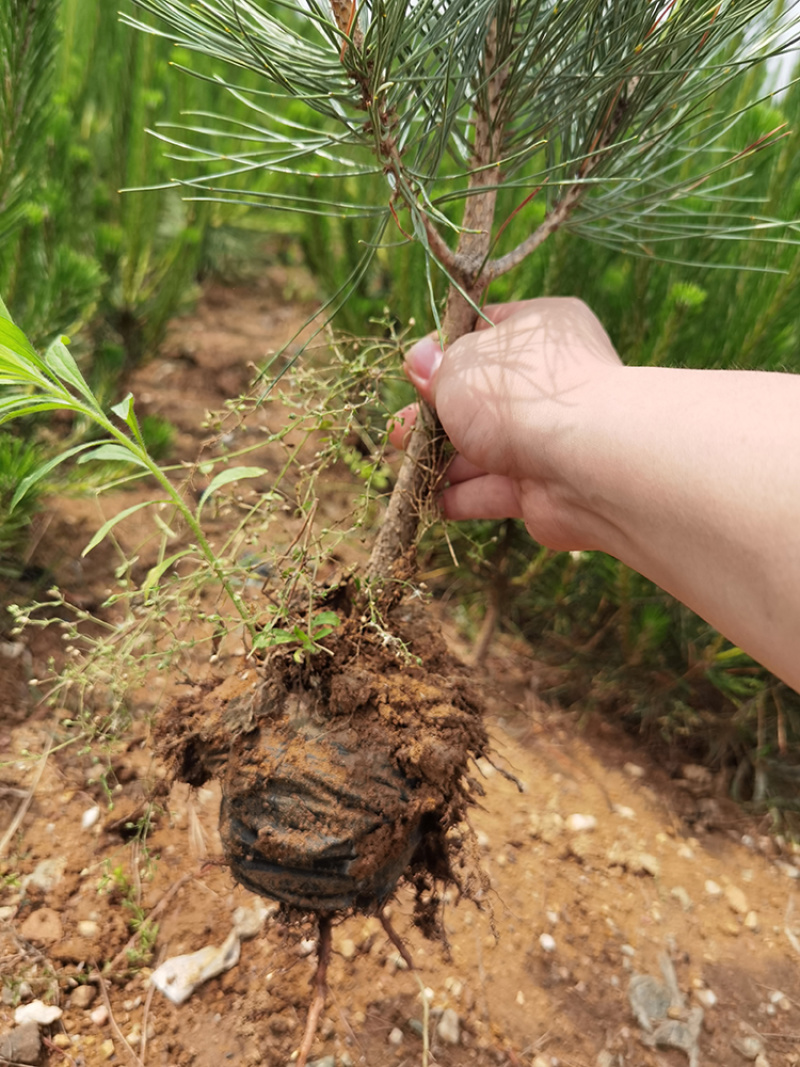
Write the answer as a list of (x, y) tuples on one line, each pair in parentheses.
[(100, 1015), (178, 977), (547, 942), (712, 888), (90, 817), (396, 1036), (706, 997), (247, 922), (633, 770), (580, 823), (623, 811), (37, 1012), (88, 928)]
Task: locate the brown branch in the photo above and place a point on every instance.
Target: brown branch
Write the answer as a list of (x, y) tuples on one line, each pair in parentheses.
[(612, 122), (495, 267)]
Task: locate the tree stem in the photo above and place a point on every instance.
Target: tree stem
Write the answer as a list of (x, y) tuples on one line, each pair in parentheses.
[(424, 463)]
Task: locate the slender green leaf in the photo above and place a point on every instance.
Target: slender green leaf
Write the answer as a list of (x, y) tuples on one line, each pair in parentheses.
[(114, 453), (155, 573), (15, 407), (233, 474), (60, 360), (44, 470), (112, 522)]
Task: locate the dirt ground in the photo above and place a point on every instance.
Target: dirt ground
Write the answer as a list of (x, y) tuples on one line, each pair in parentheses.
[(606, 866)]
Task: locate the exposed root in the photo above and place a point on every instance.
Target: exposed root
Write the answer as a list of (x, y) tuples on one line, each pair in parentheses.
[(394, 937), (321, 990)]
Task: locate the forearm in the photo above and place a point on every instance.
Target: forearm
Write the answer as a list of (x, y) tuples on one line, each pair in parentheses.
[(693, 479)]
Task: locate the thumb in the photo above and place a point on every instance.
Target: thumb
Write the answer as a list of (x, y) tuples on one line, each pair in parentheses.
[(422, 361)]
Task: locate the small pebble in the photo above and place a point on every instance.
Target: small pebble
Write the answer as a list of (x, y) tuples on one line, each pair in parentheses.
[(706, 997), (83, 997), (648, 864), (347, 948), (396, 1037), (87, 928), (683, 898), (748, 1045), (623, 811), (633, 770), (90, 817), (46, 874), (61, 1040), (107, 1049), (627, 950), (712, 888), (448, 1029), (580, 823), (248, 921), (736, 899), (751, 920), (547, 942), (100, 1015)]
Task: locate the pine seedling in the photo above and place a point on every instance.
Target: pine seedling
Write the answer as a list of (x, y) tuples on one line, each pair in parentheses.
[(594, 116)]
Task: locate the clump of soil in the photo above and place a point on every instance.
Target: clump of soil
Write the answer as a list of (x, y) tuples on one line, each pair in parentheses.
[(344, 772)]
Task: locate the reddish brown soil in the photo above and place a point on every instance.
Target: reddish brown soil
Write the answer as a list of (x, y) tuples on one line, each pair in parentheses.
[(612, 898)]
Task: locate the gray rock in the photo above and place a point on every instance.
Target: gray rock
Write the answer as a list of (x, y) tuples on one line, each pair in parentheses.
[(649, 1000), (46, 874), (680, 1035), (22, 1045), (448, 1029)]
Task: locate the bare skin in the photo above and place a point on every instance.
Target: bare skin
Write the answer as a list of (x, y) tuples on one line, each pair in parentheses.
[(690, 477)]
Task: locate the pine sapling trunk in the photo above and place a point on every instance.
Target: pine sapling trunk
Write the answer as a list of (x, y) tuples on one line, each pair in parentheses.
[(424, 460)]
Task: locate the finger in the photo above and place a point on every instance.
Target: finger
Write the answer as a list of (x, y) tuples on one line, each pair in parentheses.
[(401, 424), (488, 497), (422, 362), (461, 470), (497, 313)]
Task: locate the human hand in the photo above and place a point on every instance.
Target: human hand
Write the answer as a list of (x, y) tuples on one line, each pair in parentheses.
[(516, 401)]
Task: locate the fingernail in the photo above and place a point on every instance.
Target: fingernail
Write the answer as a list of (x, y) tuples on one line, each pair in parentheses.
[(423, 359)]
